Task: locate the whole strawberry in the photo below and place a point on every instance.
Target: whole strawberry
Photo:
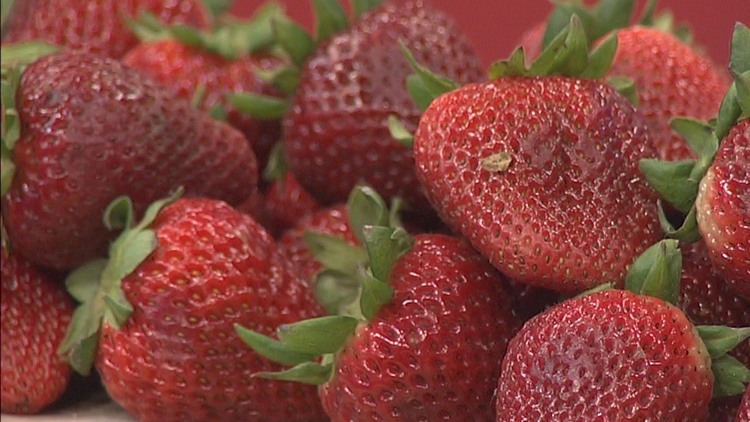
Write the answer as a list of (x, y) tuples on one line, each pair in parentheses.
[(95, 26), (417, 341), (92, 129), (36, 311), (168, 324), (336, 134), (540, 173)]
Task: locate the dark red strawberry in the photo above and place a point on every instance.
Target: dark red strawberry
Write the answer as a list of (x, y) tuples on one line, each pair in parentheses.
[(540, 173), (36, 311), (167, 347), (96, 26), (92, 129), (417, 338), (743, 413), (336, 133)]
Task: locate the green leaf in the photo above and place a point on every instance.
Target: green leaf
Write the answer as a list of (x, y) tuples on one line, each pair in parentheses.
[(318, 336), (148, 27), (657, 272), (307, 372), (742, 85), (739, 57), (283, 78), (600, 60), (81, 340), (119, 214), (293, 39), (399, 132), (118, 309), (730, 376), (363, 6), (385, 246), (375, 294), (418, 92), (25, 53), (271, 349), (600, 288), (7, 171), (671, 179), (648, 13), (514, 66), (720, 339), (543, 64), (729, 112), (331, 18), (366, 208), (701, 139), (557, 23), (688, 232), (5, 7), (187, 35), (83, 282), (335, 253), (277, 166), (435, 84), (338, 293), (613, 14), (130, 251), (626, 87), (261, 107), (217, 7)]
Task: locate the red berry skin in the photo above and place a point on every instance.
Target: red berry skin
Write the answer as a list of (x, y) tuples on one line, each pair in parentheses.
[(572, 210), (287, 202), (183, 69), (92, 130), (669, 76), (610, 355), (336, 133), (723, 208), (743, 413), (36, 311), (178, 357), (432, 353), (95, 26)]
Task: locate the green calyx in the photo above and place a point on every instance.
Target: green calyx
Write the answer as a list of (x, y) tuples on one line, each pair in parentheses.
[(13, 60), (677, 181), (352, 286), (657, 273), (97, 284)]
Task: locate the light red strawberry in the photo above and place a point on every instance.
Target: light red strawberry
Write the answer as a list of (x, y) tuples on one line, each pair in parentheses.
[(95, 26), (36, 311), (92, 129), (167, 348), (540, 173)]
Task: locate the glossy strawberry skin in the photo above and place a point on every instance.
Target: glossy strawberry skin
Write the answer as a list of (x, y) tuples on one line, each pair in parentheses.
[(572, 210), (723, 208), (743, 413), (95, 26), (214, 267), (336, 136), (669, 76), (286, 202), (92, 130), (610, 354), (36, 311), (183, 69), (433, 352)]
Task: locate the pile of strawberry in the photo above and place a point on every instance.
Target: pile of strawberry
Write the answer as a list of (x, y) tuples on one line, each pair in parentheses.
[(237, 220)]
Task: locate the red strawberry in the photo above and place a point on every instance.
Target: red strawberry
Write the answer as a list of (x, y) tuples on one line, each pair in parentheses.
[(207, 268), (287, 202), (419, 336), (336, 133), (723, 208), (223, 62), (540, 173), (669, 75), (743, 413), (92, 129), (95, 26), (36, 311)]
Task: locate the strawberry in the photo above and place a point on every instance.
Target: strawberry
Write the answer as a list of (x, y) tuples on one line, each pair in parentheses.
[(619, 355), (92, 129), (95, 26), (540, 173), (36, 311), (743, 413), (222, 61), (420, 337), (191, 269), (351, 80)]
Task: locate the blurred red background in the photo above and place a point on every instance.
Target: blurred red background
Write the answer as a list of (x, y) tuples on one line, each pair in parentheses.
[(495, 26)]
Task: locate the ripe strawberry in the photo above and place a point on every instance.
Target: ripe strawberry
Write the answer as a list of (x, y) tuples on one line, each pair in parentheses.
[(723, 208), (36, 311), (221, 63), (335, 133), (204, 268), (95, 26), (743, 413), (669, 75), (92, 129), (287, 202), (419, 341), (540, 173)]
